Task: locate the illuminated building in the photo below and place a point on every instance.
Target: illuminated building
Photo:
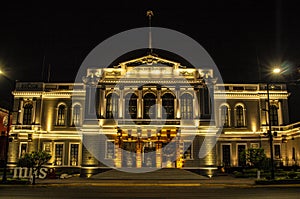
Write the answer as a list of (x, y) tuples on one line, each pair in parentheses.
[(60, 117)]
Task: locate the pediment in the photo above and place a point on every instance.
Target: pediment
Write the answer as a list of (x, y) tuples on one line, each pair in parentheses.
[(149, 60)]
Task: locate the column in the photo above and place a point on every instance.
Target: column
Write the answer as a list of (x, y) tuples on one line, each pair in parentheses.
[(159, 102), (177, 112), (118, 152), (90, 126), (210, 98), (88, 163), (102, 101), (20, 118), (179, 154), (140, 103), (90, 102), (97, 97), (121, 102), (138, 155), (196, 103), (38, 111), (158, 155)]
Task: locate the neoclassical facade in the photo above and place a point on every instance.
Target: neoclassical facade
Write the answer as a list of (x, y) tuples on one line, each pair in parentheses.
[(151, 113)]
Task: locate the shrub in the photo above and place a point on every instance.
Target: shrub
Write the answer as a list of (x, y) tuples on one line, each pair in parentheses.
[(292, 175), (254, 170)]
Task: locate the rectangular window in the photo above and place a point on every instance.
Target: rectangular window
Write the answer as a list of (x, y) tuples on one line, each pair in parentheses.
[(226, 156), (277, 151), (61, 115), (187, 147), (23, 149), (110, 150), (76, 115), (241, 148), (74, 148), (59, 154)]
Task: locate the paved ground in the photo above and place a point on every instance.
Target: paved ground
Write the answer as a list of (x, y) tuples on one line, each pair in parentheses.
[(146, 192), (167, 177), (161, 184), (163, 177)]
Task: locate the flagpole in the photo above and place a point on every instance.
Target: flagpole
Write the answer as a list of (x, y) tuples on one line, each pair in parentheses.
[(149, 15)]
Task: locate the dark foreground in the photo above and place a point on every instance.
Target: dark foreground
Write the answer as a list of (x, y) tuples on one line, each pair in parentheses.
[(146, 192)]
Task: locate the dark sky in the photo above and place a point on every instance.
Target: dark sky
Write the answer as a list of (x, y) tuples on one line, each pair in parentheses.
[(240, 36)]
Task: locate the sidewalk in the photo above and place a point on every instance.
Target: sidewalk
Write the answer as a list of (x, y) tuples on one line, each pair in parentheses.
[(218, 181), (162, 177), (214, 181)]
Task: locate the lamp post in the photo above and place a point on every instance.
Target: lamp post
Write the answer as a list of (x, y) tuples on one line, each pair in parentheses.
[(275, 71), (270, 133), (4, 177)]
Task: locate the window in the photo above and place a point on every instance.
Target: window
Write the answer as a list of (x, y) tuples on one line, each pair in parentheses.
[(131, 106), (149, 108), (224, 116), (226, 156), (76, 115), (112, 106), (110, 150), (239, 114), (74, 148), (27, 114), (168, 106), (23, 149), (277, 152), (274, 115), (187, 147), (59, 154), (61, 115), (186, 106), (241, 161)]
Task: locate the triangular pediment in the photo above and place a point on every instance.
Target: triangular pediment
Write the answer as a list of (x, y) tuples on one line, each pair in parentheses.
[(149, 60)]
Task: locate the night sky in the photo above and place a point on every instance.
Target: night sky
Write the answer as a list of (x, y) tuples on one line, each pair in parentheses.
[(244, 38)]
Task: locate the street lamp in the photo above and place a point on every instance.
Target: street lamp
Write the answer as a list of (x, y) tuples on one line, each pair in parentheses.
[(4, 177), (275, 71), (270, 133)]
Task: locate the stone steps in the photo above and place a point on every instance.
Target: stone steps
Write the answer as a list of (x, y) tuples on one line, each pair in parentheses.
[(161, 174)]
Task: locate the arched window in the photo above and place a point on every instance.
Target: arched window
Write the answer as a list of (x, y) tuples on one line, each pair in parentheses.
[(168, 106), (131, 106), (27, 117), (149, 108), (239, 116), (61, 115), (224, 116), (186, 106), (76, 115), (112, 106), (274, 115)]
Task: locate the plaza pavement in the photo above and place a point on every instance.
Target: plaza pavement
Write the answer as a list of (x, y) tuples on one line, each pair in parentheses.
[(162, 177)]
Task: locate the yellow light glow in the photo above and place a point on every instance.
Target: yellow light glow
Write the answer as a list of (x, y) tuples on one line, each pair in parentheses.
[(276, 70)]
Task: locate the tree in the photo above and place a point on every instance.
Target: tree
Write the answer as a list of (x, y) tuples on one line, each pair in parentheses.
[(34, 160), (254, 156)]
